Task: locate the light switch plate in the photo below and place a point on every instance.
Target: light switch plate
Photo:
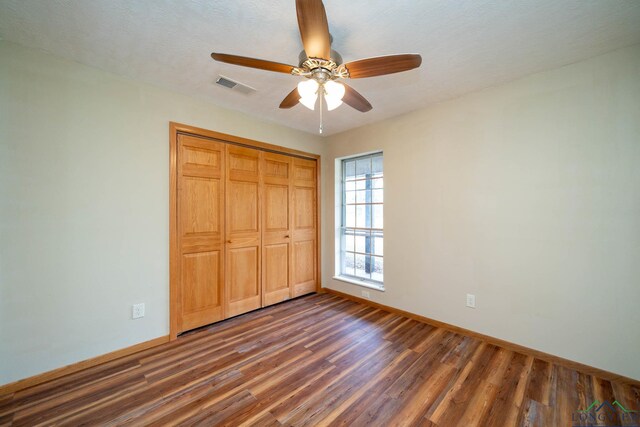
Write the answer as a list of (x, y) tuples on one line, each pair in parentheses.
[(471, 301)]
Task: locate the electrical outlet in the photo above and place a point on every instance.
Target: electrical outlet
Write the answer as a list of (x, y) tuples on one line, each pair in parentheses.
[(137, 311), (365, 294), (471, 301)]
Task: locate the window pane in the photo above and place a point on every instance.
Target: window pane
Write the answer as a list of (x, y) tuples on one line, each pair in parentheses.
[(368, 264), (361, 185), (377, 269), (377, 245), (349, 185), (350, 213), (348, 242), (363, 167), (363, 241), (350, 169), (363, 216), (360, 267), (350, 197), (376, 168), (377, 196), (348, 263), (361, 196), (376, 183), (377, 217)]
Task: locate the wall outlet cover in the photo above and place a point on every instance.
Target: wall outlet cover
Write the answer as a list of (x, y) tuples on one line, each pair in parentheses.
[(137, 311), (366, 294)]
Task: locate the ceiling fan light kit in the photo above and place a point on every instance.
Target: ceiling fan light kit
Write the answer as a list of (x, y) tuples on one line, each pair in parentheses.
[(333, 94), (321, 66), (308, 91)]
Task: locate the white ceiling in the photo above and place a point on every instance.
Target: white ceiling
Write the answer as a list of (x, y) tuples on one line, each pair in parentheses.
[(466, 45)]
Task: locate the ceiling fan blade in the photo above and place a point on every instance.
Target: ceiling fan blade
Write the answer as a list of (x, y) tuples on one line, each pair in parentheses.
[(291, 100), (252, 63), (354, 99), (314, 28), (382, 65)]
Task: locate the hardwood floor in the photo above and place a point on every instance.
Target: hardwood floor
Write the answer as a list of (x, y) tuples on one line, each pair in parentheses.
[(318, 360)]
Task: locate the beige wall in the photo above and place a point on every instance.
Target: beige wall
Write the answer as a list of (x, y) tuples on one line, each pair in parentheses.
[(526, 195), (84, 194)]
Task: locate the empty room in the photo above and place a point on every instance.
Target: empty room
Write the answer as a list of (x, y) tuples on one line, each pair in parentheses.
[(320, 213)]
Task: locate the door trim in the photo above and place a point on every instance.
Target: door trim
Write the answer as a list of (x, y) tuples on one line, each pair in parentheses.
[(176, 129)]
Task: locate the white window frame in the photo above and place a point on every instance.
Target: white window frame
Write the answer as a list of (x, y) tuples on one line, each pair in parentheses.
[(371, 233)]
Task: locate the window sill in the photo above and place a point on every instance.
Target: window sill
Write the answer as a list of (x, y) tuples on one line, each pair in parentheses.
[(363, 283)]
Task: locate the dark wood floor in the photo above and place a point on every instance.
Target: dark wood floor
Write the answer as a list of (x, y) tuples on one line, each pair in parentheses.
[(318, 360)]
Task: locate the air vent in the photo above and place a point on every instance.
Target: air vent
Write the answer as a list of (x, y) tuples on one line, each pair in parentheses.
[(226, 82), (234, 85)]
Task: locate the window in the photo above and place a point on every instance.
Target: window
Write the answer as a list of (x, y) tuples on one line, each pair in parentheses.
[(361, 232)]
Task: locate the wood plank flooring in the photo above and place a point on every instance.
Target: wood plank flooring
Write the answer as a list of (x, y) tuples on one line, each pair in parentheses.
[(318, 360)]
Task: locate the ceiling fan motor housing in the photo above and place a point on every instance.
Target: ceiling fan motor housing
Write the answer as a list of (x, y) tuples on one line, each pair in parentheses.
[(335, 57)]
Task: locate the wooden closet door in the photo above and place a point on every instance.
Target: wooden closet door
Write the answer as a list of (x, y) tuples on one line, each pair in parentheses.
[(277, 274), (304, 231), (243, 281), (200, 223)]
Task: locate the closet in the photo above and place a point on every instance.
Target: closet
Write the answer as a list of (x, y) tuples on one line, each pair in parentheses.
[(243, 226)]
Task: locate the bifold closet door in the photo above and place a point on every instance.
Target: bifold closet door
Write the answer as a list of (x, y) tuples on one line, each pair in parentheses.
[(277, 214), (304, 232), (200, 224), (243, 239)]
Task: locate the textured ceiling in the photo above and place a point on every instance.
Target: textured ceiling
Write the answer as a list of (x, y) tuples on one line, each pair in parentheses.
[(465, 45)]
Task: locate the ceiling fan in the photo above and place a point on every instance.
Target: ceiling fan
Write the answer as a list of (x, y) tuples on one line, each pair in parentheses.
[(322, 66)]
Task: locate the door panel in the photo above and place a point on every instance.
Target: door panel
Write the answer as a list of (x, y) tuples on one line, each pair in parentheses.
[(305, 208), (277, 274), (305, 271), (200, 204), (276, 207), (243, 161), (304, 230), (305, 172), (198, 271), (201, 288), (242, 202), (276, 167), (276, 265), (243, 279), (200, 224)]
